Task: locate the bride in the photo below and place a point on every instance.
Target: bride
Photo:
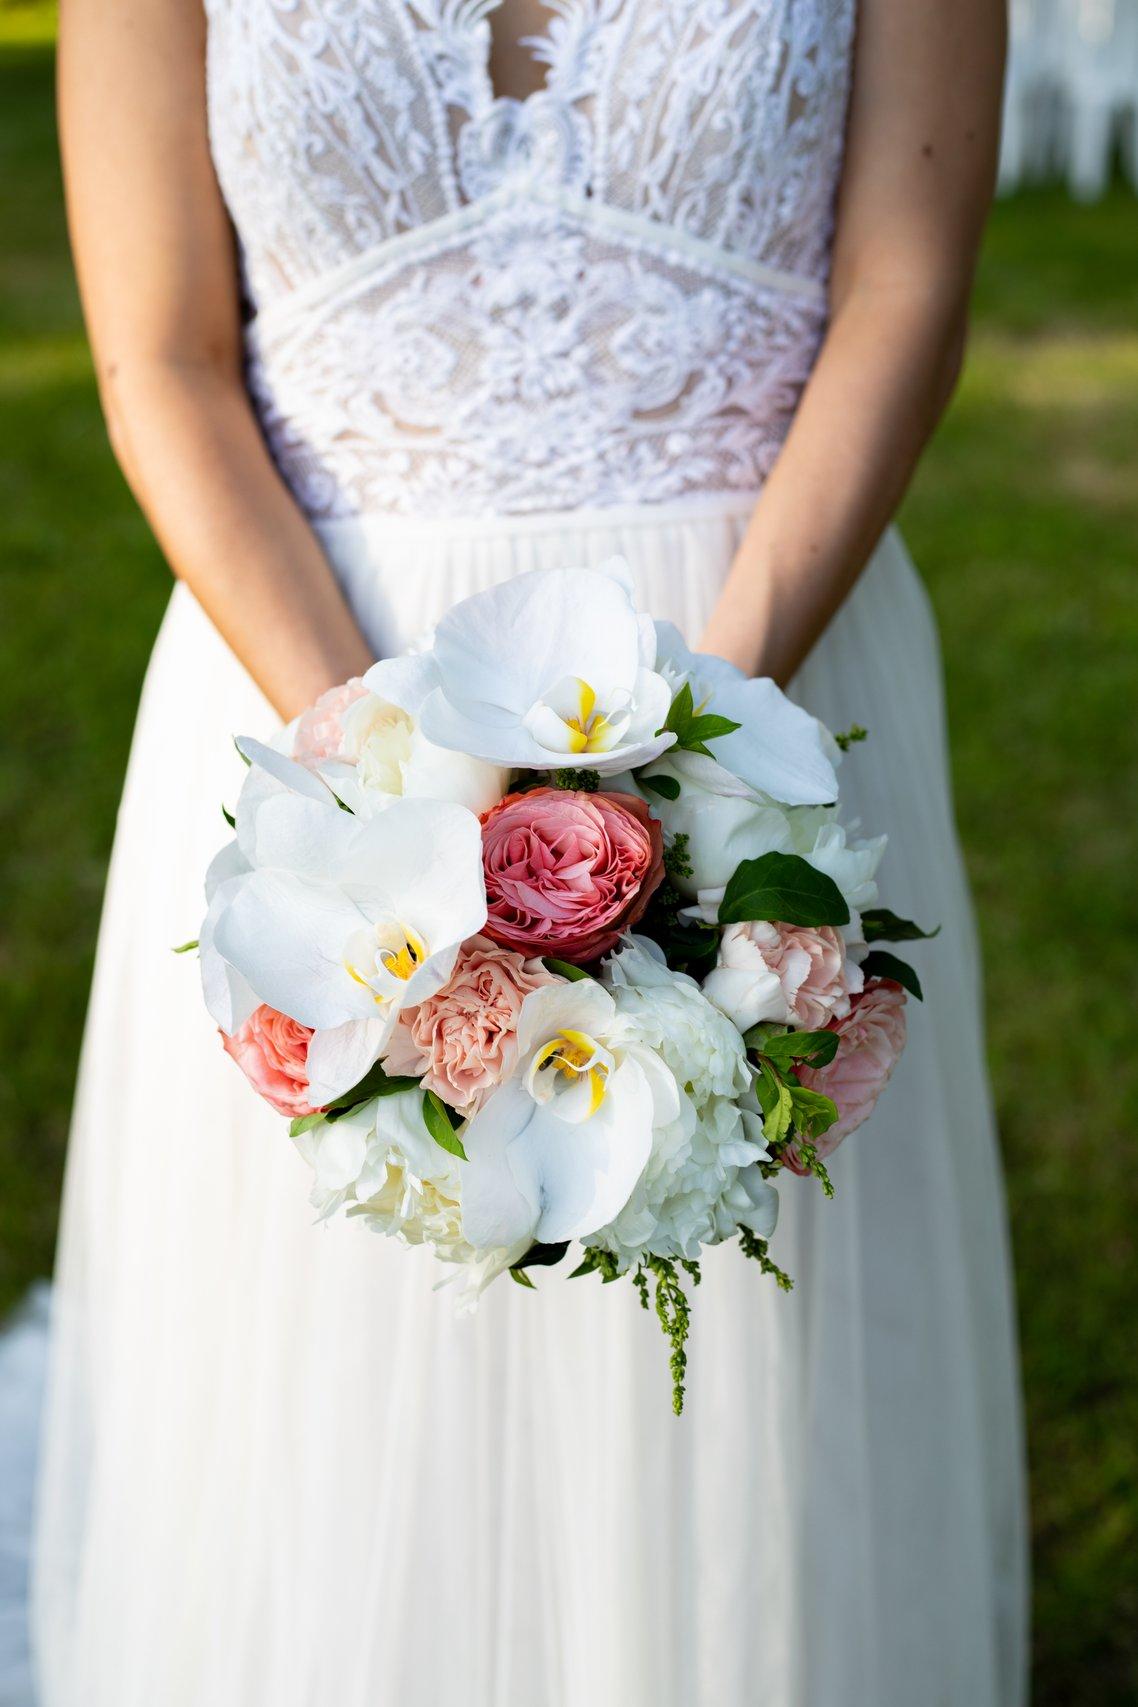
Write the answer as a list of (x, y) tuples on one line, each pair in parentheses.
[(391, 299)]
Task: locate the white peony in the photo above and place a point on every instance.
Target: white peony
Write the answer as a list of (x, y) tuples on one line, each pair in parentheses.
[(382, 1166), (702, 1180), (574, 687), (669, 1013)]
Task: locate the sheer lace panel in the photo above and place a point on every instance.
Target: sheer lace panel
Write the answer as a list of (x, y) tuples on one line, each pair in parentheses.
[(610, 291)]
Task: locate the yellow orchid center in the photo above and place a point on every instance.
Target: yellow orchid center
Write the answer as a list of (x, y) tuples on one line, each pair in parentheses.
[(587, 727), (386, 952), (574, 1055), (406, 957)]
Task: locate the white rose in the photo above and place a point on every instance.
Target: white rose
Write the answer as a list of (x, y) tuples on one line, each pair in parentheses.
[(724, 820), (385, 756)]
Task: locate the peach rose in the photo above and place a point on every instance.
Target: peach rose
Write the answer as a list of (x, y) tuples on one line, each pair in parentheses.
[(320, 731), (791, 974), (872, 1037), (567, 872), (463, 1041), (272, 1052)]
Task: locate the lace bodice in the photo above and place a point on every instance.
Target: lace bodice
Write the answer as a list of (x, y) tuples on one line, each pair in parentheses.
[(609, 292)]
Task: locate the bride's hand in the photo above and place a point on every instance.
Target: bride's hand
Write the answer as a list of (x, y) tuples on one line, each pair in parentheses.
[(159, 282), (920, 165)]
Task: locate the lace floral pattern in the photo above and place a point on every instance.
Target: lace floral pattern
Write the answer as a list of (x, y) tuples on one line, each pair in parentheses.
[(612, 291)]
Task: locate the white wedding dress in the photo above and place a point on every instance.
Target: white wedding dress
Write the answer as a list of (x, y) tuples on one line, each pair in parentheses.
[(486, 334)]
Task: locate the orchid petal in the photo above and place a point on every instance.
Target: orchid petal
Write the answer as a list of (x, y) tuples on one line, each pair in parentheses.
[(586, 1174), (779, 749), (297, 778), (404, 681), (285, 936), (229, 998), (500, 1206), (339, 1057)]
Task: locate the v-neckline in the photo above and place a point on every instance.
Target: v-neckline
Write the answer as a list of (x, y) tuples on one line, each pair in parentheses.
[(538, 50)]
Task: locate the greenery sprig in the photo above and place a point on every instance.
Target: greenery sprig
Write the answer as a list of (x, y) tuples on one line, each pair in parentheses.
[(587, 780), (688, 944), (757, 1249)]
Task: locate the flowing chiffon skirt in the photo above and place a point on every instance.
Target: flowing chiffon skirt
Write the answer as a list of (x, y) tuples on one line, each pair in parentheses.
[(279, 1471)]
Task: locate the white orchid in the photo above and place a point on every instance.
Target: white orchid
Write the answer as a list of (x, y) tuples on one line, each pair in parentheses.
[(385, 756), (574, 687), (558, 1148), (228, 996), (340, 922), (779, 750)]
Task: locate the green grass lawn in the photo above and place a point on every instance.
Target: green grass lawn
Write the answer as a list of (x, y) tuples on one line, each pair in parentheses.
[(1025, 522)]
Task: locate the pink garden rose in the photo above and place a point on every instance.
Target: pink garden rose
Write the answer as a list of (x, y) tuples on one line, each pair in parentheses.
[(463, 1041), (272, 1052), (320, 732), (872, 1037), (568, 872), (790, 974)]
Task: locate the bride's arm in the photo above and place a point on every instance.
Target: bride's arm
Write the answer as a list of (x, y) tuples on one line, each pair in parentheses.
[(157, 274), (920, 162)]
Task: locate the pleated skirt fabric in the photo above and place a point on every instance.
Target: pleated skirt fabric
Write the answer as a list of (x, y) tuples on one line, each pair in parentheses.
[(278, 1471)]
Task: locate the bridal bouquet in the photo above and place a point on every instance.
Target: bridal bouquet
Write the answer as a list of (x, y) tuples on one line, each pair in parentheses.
[(550, 931)]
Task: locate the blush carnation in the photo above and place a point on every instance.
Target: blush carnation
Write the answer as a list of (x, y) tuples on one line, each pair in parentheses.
[(792, 974), (462, 1042), (568, 873), (871, 1039), (320, 731), (272, 1051)]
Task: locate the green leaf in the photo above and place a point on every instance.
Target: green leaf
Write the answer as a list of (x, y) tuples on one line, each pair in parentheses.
[(377, 1082), (563, 969), (304, 1123), (667, 787), (880, 925), (436, 1118), (522, 1278), (813, 1112), (542, 1256), (229, 818), (185, 947), (693, 728), (784, 889), (881, 964), (774, 1100), (811, 1048)]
